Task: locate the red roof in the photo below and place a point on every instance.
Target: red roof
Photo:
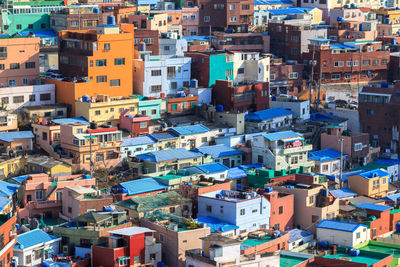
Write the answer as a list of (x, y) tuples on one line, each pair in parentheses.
[(102, 130)]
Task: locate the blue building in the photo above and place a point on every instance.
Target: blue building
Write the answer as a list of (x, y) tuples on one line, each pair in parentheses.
[(248, 211), (228, 156), (137, 145)]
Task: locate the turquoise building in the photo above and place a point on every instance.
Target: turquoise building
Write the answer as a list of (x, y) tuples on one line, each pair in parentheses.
[(150, 107)]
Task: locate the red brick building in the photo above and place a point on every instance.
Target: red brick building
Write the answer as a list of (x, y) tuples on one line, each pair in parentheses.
[(352, 62), (181, 104), (150, 38), (286, 78), (221, 15), (136, 125), (379, 115), (282, 209), (243, 97), (250, 41)]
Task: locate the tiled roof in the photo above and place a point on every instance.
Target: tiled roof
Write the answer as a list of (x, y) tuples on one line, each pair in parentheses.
[(169, 154), (268, 114), (11, 136), (190, 129), (137, 141), (369, 206), (325, 155), (339, 225), (143, 185), (281, 135), (218, 151), (33, 238)]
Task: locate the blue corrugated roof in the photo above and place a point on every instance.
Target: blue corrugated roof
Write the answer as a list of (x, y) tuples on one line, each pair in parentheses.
[(273, 2), (388, 162), (143, 185), (169, 154), (297, 234), (137, 141), (33, 238), (197, 38), (8, 189), (163, 136), (236, 173), (212, 167), (343, 193), (281, 135), (71, 120), (190, 129), (11, 136), (370, 206), (268, 114), (218, 151), (339, 225), (286, 11), (40, 34), (374, 173), (325, 155), (216, 225), (19, 179), (393, 197), (4, 202)]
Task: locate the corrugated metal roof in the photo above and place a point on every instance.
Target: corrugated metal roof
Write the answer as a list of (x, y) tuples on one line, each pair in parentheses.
[(236, 173), (296, 234), (33, 238), (212, 167), (169, 154), (374, 173), (268, 114), (218, 151), (130, 231), (190, 129), (216, 224), (273, 2), (281, 135), (343, 193), (137, 141), (143, 185), (11, 136), (388, 162), (393, 197), (163, 136), (8, 189), (370, 206), (71, 120), (4, 202), (339, 225), (325, 155)]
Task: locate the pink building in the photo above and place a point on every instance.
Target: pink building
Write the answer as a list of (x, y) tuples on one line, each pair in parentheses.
[(135, 124), (190, 21), (19, 61), (348, 14), (42, 194)]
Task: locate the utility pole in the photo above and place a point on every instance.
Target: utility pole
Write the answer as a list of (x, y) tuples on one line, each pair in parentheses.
[(341, 140), (91, 161)]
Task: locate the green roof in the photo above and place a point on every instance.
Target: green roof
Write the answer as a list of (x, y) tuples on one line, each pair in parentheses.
[(252, 242), (366, 257), (92, 217), (291, 261), (39, 3), (152, 202), (370, 166), (169, 176)]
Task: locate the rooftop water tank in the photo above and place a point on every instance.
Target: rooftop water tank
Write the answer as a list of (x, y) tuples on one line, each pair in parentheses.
[(354, 252), (110, 20), (96, 10), (397, 227), (220, 108), (85, 98)]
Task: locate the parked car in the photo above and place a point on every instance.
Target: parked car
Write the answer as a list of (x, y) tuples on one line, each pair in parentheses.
[(341, 103), (353, 105)]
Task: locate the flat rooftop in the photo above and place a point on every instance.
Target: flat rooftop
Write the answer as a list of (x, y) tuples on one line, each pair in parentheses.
[(366, 257)]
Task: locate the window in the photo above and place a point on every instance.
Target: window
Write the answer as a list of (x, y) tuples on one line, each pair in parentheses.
[(115, 82), (25, 81), (3, 52), (229, 72), (358, 235), (240, 71), (349, 63), (272, 76), (39, 195), (204, 139), (97, 112), (325, 167), (206, 18), (119, 61), (358, 146), (231, 7), (28, 259), (347, 76), (99, 157), (174, 107), (366, 62), (107, 47), (233, 19), (335, 76), (260, 159), (19, 26), (5, 100), (311, 199), (143, 124), (2, 67), (18, 99), (293, 75), (245, 7), (45, 97), (355, 63), (156, 73), (294, 51), (153, 111), (155, 88), (166, 47), (209, 208), (38, 254), (14, 66), (74, 23), (384, 61), (101, 62), (338, 64), (280, 209), (174, 85), (384, 180), (242, 212), (32, 98), (30, 65), (101, 79), (375, 62)]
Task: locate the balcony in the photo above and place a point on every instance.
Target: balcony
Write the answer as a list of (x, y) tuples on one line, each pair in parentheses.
[(291, 150), (47, 204)]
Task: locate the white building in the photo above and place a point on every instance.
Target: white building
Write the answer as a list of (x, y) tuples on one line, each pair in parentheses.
[(342, 233), (169, 44), (299, 237), (14, 98), (269, 120), (327, 161), (301, 108), (282, 151), (156, 75), (250, 67), (34, 247)]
